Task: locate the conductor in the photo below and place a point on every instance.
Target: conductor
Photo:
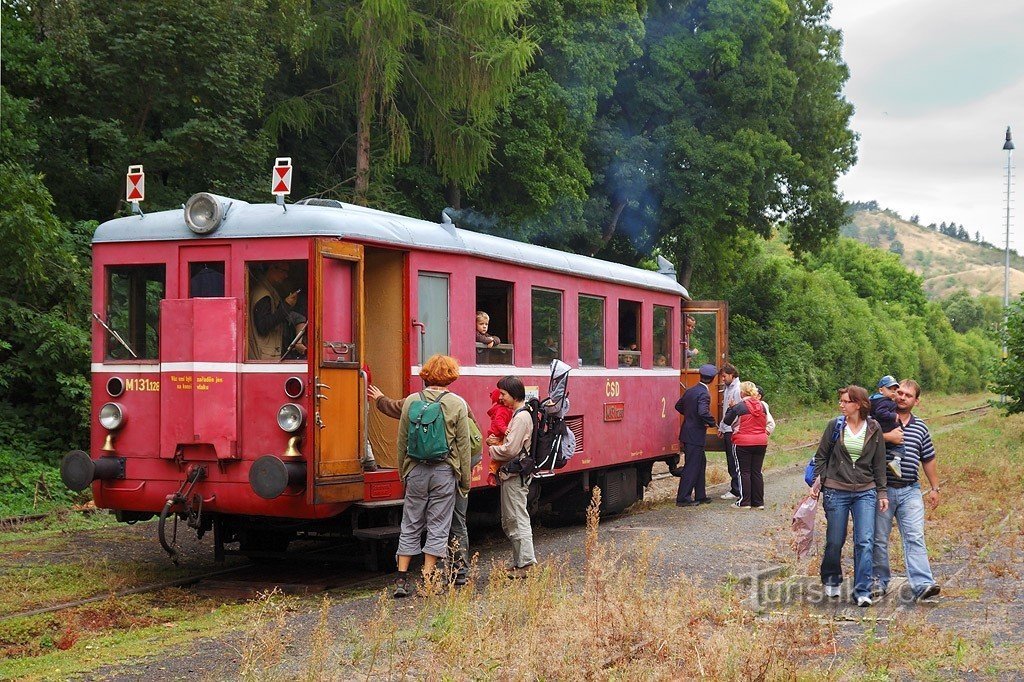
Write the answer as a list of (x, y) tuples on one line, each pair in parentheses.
[(695, 406)]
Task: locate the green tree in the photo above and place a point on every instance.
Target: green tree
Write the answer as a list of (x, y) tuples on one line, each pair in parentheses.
[(177, 85), (963, 310), (733, 117), (434, 71), (1008, 377)]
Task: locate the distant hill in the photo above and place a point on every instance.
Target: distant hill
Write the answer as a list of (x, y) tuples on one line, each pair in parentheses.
[(945, 263)]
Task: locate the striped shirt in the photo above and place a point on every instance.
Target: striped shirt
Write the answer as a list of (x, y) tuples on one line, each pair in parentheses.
[(918, 448), (854, 442)]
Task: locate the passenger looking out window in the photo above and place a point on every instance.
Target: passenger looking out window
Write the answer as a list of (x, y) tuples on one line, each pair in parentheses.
[(483, 321), (276, 297), (493, 322), (629, 333)]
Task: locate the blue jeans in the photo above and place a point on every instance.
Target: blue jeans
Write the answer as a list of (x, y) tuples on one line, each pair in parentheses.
[(907, 506), (839, 506)]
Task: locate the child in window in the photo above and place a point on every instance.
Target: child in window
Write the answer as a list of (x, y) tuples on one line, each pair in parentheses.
[(500, 416), (482, 321)]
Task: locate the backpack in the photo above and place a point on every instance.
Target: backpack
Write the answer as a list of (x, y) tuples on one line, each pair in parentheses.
[(809, 470), (476, 443), (526, 462), (556, 443), (427, 440)]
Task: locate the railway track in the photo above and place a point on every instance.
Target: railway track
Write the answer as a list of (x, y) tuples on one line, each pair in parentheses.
[(296, 576)]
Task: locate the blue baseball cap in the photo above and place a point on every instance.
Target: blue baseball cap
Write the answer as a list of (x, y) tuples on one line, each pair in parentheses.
[(888, 381), (708, 371)]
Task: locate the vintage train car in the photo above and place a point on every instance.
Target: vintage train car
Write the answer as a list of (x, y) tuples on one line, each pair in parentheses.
[(206, 412)]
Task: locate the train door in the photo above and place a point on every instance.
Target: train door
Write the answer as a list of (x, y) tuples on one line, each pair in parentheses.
[(705, 337), (340, 393)]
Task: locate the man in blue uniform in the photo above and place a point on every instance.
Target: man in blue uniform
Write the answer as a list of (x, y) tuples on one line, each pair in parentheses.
[(695, 406)]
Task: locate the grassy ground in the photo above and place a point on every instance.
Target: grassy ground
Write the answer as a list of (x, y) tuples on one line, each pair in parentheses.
[(599, 621)]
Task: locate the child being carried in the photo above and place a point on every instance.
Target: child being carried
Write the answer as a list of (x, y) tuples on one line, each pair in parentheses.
[(883, 410), (500, 417)]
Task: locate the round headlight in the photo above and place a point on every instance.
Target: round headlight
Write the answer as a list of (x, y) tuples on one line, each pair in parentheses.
[(115, 387), (203, 213), (291, 417), (111, 416), (293, 387)]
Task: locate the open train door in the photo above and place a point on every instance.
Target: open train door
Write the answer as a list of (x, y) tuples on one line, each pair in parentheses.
[(708, 342), (337, 351)]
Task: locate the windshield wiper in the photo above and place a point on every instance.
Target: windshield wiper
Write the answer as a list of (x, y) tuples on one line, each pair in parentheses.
[(116, 336)]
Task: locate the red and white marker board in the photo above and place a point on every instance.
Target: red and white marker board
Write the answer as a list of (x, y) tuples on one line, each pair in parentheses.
[(135, 184), (281, 179)]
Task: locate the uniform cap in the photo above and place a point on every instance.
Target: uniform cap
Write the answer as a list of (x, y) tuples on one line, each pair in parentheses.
[(708, 371)]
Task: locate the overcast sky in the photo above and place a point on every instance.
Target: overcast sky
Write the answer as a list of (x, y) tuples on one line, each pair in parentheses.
[(934, 84)]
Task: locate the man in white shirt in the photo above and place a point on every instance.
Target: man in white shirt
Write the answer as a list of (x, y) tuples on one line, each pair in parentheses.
[(731, 380)]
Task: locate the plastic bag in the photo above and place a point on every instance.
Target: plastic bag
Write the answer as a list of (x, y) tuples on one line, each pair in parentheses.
[(803, 526)]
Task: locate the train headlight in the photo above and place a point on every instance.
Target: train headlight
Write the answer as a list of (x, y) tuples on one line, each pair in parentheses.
[(204, 212), (111, 416), (291, 417)]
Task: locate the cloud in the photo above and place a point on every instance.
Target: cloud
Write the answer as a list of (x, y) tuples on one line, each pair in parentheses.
[(935, 86)]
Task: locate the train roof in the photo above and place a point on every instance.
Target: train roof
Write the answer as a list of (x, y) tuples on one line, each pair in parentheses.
[(248, 221)]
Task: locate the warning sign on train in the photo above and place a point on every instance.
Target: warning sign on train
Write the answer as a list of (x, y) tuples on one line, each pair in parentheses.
[(281, 182), (135, 184)]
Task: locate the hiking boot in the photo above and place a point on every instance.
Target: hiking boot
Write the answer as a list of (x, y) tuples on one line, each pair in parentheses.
[(929, 592), (402, 588), (832, 591), (461, 579), (864, 601)]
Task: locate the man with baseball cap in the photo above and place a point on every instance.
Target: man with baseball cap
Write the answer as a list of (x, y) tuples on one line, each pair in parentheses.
[(695, 406)]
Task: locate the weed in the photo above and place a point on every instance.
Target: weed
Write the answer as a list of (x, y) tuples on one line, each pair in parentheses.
[(265, 638)]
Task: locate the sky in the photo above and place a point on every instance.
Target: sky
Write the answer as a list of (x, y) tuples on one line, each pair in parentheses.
[(934, 84)]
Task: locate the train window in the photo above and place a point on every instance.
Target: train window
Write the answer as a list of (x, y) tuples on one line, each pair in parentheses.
[(629, 333), (546, 320), (277, 304), (662, 336), (134, 293), (591, 331), (493, 322), (433, 314), (699, 338), (206, 280)]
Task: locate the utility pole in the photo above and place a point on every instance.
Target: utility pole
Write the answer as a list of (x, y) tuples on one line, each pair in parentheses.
[(1008, 148)]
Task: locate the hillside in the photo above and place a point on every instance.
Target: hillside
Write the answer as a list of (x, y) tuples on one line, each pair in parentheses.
[(945, 263)]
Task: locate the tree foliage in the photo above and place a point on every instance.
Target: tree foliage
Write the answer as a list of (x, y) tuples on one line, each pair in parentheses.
[(1009, 375)]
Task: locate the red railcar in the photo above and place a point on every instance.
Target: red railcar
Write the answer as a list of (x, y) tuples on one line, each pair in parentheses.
[(204, 413)]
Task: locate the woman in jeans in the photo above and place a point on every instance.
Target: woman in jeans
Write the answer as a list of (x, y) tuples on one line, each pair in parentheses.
[(849, 469), (515, 519), (432, 486)]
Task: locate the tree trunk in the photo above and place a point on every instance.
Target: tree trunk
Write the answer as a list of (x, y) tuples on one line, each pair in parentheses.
[(363, 116), (453, 195), (613, 223)]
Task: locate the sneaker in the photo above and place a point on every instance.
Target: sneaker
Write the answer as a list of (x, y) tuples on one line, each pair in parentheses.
[(929, 592), (688, 503), (402, 588), (894, 467), (760, 506), (864, 600), (737, 505), (704, 500), (728, 496), (832, 590)]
